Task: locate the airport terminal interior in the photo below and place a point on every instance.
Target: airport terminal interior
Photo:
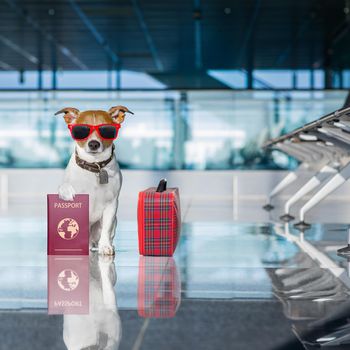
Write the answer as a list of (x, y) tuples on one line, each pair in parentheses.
[(244, 107)]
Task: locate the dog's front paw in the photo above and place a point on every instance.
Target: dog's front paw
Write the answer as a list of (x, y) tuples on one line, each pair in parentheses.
[(107, 267), (66, 192), (106, 249)]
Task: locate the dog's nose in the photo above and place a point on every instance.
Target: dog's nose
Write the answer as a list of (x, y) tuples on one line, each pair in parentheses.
[(93, 145)]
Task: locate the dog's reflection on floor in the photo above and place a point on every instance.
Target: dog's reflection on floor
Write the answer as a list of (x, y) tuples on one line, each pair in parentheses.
[(101, 328)]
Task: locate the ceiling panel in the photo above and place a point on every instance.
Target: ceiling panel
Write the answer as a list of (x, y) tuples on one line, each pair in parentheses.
[(235, 34)]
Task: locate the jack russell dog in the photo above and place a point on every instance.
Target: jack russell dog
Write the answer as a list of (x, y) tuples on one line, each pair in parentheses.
[(93, 169), (101, 328)]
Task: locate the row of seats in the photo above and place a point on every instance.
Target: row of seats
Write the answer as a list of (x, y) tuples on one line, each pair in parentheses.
[(315, 302), (323, 148)]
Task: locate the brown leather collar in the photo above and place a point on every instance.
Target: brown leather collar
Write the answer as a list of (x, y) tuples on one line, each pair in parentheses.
[(93, 167)]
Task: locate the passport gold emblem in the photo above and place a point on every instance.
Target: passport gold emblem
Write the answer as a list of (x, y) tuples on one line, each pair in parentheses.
[(68, 280), (68, 228)]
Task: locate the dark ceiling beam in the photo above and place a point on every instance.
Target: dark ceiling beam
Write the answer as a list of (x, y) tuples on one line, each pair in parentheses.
[(22, 52), (336, 36), (249, 32), (265, 84), (47, 36), (291, 45), (138, 12), (6, 66), (197, 16), (340, 31), (343, 28), (95, 33)]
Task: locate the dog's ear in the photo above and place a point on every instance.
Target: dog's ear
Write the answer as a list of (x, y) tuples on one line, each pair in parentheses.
[(118, 113), (69, 114)]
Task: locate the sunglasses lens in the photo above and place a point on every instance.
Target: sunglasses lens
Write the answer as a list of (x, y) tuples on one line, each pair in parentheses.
[(80, 132), (108, 131)]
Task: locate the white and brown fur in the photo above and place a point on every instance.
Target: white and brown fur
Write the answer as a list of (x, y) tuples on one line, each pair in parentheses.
[(103, 198), (101, 328)]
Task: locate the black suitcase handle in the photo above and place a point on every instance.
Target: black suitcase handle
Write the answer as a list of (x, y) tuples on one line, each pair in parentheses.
[(162, 185)]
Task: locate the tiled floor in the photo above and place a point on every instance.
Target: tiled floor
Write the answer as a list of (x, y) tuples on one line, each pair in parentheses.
[(239, 280)]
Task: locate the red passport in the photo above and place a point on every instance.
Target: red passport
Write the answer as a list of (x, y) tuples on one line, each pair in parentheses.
[(68, 225), (68, 285)]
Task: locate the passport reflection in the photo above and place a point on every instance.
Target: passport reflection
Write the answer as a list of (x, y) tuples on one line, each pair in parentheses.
[(81, 288)]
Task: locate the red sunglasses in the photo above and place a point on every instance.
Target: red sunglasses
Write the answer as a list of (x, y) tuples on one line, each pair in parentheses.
[(83, 131)]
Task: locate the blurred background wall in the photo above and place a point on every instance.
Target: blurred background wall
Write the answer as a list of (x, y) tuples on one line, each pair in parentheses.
[(192, 129), (209, 81)]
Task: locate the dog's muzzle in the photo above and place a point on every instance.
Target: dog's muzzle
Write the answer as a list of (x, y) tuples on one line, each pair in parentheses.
[(94, 145)]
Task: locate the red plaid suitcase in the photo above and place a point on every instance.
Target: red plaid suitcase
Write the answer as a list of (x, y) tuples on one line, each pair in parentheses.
[(159, 287), (159, 223)]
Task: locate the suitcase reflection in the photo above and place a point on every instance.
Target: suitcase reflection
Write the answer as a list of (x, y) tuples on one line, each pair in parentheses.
[(82, 289), (159, 287)]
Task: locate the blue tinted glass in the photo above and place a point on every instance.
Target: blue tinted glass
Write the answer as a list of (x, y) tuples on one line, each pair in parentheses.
[(170, 130)]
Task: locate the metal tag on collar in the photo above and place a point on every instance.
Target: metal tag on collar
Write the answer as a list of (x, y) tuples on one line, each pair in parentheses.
[(103, 175)]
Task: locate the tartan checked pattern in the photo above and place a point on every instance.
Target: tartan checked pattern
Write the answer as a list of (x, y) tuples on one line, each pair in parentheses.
[(159, 287), (159, 222)]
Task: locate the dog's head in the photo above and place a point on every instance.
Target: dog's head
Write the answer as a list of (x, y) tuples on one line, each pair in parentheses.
[(94, 142)]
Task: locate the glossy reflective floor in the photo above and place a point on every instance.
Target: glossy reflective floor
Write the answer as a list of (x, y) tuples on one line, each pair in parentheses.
[(231, 285)]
